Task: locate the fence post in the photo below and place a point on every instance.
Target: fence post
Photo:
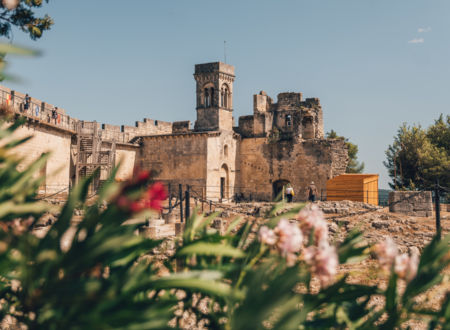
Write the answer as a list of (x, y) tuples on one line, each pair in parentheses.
[(180, 196), (188, 211), (438, 209), (203, 196)]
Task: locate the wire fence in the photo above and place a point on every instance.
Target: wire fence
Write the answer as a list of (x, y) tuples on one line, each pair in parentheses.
[(398, 203)]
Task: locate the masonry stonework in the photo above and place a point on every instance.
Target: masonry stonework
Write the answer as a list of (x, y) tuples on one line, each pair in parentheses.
[(415, 203), (281, 142)]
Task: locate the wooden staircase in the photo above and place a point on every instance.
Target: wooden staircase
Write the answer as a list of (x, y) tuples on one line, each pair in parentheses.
[(90, 153)]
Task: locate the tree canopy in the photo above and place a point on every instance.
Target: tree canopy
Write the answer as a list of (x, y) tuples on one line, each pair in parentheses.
[(353, 165), (21, 14), (418, 157)]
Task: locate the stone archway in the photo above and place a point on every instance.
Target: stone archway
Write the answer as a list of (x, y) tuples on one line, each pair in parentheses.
[(224, 182), (278, 188)]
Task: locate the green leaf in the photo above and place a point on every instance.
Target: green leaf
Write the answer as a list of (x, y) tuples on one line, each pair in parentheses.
[(210, 249), (204, 281)]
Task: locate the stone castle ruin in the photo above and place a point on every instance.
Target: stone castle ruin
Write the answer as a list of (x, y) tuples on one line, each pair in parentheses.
[(281, 142)]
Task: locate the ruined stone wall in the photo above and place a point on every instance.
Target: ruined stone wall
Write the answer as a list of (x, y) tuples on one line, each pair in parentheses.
[(262, 163), (176, 159), (415, 203), (245, 127), (45, 139), (290, 116)]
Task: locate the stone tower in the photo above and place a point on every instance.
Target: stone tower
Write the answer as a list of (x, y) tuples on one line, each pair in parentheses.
[(214, 96)]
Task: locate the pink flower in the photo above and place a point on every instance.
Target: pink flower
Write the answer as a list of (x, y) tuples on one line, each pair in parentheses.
[(327, 263), (267, 236), (309, 254), (290, 237), (291, 259), (323, 261), (401, 264), (413, 265), (386, 253), (312, 219), (406, 266)]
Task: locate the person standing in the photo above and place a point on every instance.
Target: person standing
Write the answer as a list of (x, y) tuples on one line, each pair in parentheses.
[(312, 192), (289, 193), (27, 103)]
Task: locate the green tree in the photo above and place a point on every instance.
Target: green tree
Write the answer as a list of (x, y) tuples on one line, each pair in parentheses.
[(439, 133), (20, 13), (418, 157), (353, 165)]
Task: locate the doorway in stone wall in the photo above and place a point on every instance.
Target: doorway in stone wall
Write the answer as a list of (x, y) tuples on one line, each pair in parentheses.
[(222, 188), (278, 188), (224, 182)]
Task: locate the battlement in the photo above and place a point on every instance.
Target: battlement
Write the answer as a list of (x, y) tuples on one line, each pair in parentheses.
[(181, 127), (46, 113), (214, 67)]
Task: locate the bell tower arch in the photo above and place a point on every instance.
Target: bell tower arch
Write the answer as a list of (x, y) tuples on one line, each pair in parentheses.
[(214, 96)]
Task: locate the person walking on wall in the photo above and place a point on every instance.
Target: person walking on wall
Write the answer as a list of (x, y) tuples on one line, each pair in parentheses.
[(55, 114), (289, 193), (312, 192)]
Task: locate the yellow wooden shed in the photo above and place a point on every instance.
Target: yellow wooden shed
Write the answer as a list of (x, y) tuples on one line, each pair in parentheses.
[(354, 187)]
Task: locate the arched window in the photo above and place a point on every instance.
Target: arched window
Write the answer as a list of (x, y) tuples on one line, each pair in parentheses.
[(211, 102), (224, 96), (225, 99), (206, 95), (225, 151)]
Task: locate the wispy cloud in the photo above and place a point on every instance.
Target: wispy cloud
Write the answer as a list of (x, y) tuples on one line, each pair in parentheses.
[(416, 41), (424, 29)]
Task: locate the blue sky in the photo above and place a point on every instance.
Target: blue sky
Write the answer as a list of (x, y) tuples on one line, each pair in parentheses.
[(373, 64)]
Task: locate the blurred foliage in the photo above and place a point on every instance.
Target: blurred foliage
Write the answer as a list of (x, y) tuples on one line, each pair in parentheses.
[(21, 14), (267, 293), (353, 166), (418, 157)]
